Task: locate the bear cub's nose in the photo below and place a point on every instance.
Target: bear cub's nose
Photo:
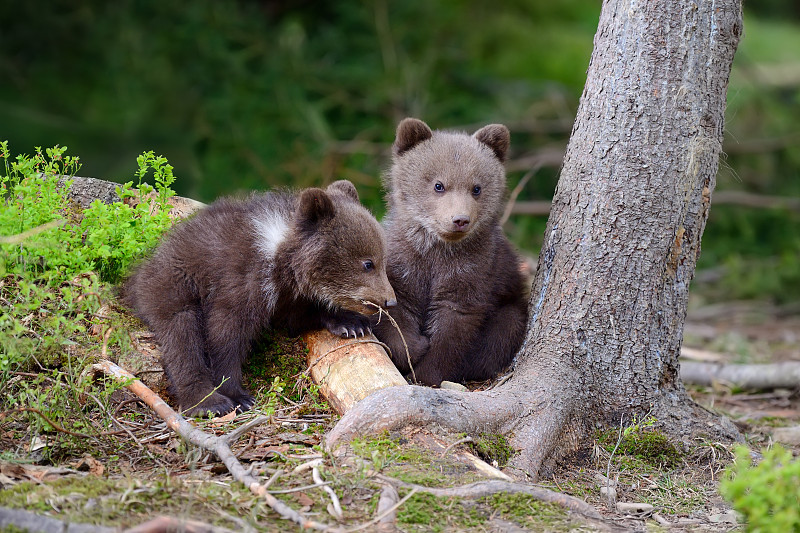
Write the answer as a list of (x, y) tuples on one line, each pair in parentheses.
[(461, 221)]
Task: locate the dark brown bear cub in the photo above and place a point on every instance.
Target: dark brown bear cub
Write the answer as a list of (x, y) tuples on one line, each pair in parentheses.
[(462, 301), (215, 283)]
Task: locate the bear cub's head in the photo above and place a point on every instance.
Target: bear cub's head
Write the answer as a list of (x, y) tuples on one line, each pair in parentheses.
[(340, 258), (451, 185)]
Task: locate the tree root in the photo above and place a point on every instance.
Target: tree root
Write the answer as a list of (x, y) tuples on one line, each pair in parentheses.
[(396, 407), (481, 489), (531, 420)]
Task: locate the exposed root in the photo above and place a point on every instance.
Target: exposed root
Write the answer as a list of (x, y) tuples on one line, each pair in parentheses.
[(396, 407), (532, 420), (481, 489)]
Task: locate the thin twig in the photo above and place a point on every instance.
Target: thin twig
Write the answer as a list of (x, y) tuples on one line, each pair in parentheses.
[(399, 331), (456, 443), (244, 428), (385, 513), (117, 422), (301, 489), (480, 489), (19, 237), (337, 508), (278, 473), (47, 419), (512, 199), (608, 466)]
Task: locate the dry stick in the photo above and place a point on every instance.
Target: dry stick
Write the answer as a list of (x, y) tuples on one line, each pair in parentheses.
[(518, 189), (381, 310), (55, 425), (244, 428), (456, 443), (337, 508), (384, 513), (206, 441), (610, 457), (19, 237), (480, 489)]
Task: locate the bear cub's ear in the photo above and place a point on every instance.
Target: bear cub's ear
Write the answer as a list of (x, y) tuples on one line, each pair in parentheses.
[(410, 132), (345, 188), (315, 205), (496, 137)]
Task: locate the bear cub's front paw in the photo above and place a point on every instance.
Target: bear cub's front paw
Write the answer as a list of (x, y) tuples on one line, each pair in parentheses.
[(346, 324)]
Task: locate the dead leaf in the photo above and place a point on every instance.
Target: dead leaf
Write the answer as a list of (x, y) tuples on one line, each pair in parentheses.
[(36, 473), (298, 438), (259, 454), (303, 499), (222, 420), (89, 464)]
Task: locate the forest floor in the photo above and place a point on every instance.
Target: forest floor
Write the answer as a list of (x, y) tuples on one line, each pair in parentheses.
[(140, 469)]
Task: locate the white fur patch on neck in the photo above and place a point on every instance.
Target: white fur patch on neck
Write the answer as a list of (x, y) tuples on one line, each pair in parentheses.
[(271, 229)]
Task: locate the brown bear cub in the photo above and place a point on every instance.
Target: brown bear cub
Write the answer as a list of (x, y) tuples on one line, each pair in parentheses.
[(296, 261), (462, 300)]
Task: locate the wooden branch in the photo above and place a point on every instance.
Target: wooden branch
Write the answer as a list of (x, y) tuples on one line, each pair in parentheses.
[(740, 198), (219, 445), (766, 376), (348, 370)]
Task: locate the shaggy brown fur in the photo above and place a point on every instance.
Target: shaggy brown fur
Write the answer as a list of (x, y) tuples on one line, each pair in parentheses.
[(462, 301), (239, 267)]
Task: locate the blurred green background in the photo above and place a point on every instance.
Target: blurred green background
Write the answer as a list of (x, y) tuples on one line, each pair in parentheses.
[(255, 94)]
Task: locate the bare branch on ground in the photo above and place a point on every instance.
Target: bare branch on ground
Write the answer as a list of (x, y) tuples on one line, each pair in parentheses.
[(219, 445), (756, 376)]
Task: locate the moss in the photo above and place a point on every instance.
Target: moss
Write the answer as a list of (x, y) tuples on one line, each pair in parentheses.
[(525, 509), (34, 496), (276, 355), (649, 446), (492, 447), (429, 513), (125, 502)]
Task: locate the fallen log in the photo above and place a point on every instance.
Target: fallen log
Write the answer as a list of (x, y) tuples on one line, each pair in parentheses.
[(348, 370), (763, 376)]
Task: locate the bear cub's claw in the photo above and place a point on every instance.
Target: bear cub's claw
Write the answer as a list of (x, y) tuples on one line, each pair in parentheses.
[(348, 325)]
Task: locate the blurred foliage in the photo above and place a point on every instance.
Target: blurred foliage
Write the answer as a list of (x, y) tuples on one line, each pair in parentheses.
[(255, 94)]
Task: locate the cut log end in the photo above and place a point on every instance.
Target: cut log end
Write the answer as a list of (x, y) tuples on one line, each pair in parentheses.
[(348, 370)]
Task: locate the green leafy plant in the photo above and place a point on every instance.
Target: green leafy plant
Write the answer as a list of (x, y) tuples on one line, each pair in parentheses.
[(765, 494), (55, 264)]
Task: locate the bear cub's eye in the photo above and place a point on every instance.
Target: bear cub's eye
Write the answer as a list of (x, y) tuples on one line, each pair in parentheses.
[(476, 190), (439, 187), (368, 265)]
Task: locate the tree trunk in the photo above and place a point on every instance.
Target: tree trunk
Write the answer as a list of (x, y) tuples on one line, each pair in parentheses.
[(610, 293)]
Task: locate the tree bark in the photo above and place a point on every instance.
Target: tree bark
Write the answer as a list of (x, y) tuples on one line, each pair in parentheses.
[(610, 293)]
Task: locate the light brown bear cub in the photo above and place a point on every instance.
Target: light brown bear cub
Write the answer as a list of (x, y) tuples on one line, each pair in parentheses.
[(462, 300), (217, 281)]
